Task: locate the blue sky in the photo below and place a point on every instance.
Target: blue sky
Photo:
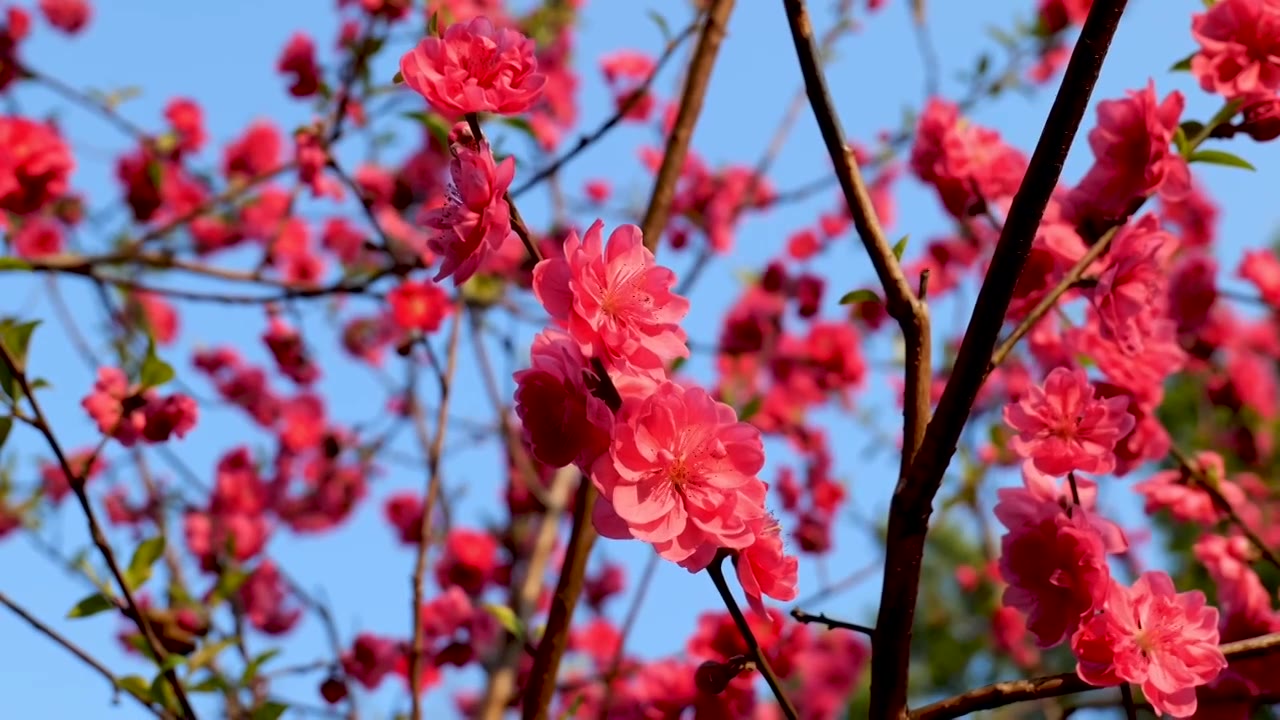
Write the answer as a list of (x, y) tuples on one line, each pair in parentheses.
[(223, 54)]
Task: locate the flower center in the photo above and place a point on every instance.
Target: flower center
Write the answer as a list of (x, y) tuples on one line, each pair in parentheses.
[(678, 473)]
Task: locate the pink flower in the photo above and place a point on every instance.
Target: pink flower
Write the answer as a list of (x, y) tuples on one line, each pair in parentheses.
[(1239, 48), (563, 421), (1152, 635), (764, 568), (1132, 156), (970, 165), (1130, 294), (1262, 269), (1041, 497), (1057, 574), (475, 220), (299, 60), (263, 595), (1062, 427), (37, 238), (475, 67), (680, 474), (35, 165), (1187, 501), (69, 16), (615, 301)]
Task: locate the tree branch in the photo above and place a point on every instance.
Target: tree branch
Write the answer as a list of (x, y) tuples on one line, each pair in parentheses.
[(912, 504), (424, 528)]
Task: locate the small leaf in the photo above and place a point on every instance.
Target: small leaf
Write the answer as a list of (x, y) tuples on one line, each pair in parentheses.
[(92, 605), (1182, 65), (146, 555), (677, 364), (207, 653), (751, 408), (433, 25), (900, 247), (661, 22), (269, 711), (859, 296), (6, 424), (211, 684), (398, 78), (228, 585), (251, 670), (1180, 140), (136, 686), (506, 617), (16, 338), (1218, 157), (155, 372), (13, 263)]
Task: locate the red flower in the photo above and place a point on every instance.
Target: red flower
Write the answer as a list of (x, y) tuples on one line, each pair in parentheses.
[(475, 220), (475, 67), (1062, 427), (419, 306), (563, 421), (1154, 636), (299, 59), (69, 16), (1239, 48), (34, 165)]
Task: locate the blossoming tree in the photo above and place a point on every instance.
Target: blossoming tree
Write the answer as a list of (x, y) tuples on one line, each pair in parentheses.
[(1099, 355)]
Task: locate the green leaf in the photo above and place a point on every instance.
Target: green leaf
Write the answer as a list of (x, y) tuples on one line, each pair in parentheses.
[(506, 617), (16, 338), (1180, 140), (433, 25), (155, 372), (13, 263), (136, 686), (228, 585), (146, 555), (269, 710), (6, 424), (398, 78), (251, 670), (1219, 157), (207, 653), (92, 605), (211, 684), (677, 364), (859, 296), (751, 408), (661, 22), (1183, 65), (900, 247)]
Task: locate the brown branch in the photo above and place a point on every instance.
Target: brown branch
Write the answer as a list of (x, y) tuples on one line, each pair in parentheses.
[(546, 662), (822, 619), (77, 482), (524, 597), (424, 528), (716, 571), (74, 649), (1001, 694), (695, 89), (912, 503), (911, 313)]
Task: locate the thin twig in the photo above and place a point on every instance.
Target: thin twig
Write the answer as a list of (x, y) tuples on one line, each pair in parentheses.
[(74, 649), (716, 571), (77, 482), (822, 619), (1210, 488), (424, 528)]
